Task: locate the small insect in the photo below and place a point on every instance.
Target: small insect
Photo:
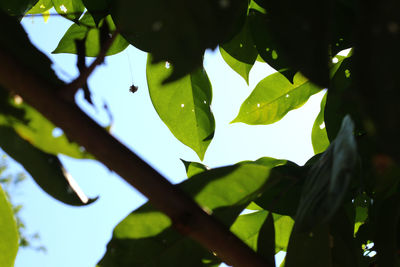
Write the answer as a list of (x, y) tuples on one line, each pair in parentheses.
[(133, 88)]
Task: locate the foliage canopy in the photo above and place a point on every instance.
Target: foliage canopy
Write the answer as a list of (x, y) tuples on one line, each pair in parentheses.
[(324, 213)]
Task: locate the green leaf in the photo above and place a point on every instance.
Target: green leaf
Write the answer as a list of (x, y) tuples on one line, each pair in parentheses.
[(240, 53), (146, 238), (303, 38), (193, 168), (283, 189), (273, 98), (8, 232), (319, 137), (87, 28), (283, 228), (17, 8), (36, 129), (328, 179), (178, 31), (183, 105), (310, 249), (98, 9), (266, 45), (45, 169), (247, 227), (41, 6), (71, 9)]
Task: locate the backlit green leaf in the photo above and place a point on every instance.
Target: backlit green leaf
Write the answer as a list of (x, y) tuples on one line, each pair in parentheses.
[(240, 52), (72, 9), (274, 97), (88, 28), (45, 169), (8, 232), (319, 137), (183, 105), (41, 6), (283, 228), (193, 168), (37, 130), (146, 238)]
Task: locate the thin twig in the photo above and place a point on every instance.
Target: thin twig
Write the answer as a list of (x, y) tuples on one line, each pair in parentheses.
[(68, 92)]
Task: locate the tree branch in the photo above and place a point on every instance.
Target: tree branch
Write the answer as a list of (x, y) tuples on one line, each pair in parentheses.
[(187, 217)]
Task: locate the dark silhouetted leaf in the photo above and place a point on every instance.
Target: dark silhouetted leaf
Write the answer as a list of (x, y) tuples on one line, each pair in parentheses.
[(266, 240), (283, 189), (302, 34), (266, 44), (17, 8), (239, 53), (97, 8), (327, 180), (309, 249), (178, 31)]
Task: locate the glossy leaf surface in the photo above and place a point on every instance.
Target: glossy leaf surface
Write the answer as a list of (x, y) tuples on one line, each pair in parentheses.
[(146, 234), (8, 232), (178, 31), (319, 137), (240, 53), (45, 169), (273, 98), (88, 29), (183, 105)]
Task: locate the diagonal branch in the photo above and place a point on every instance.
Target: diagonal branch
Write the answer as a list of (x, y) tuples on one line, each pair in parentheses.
[(187, 217)]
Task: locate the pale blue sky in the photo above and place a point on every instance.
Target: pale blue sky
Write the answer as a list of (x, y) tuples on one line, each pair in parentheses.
[(78, 236)]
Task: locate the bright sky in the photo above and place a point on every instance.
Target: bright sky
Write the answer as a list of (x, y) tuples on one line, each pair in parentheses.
[(78, 236)]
